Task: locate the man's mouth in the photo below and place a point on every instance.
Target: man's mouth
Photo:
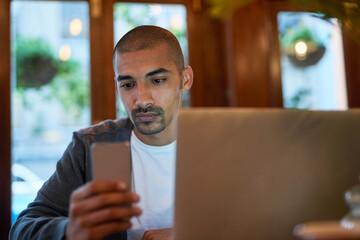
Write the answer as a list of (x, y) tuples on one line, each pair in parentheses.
[(146, 117)]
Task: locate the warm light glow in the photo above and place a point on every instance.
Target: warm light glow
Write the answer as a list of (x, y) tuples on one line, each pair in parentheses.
[(75, 27), (155, 9), (65, 53), (301, 49), (176, 22)]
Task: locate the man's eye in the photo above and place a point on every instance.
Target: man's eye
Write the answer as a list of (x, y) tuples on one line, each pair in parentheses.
[(126, 85), (159, 80)]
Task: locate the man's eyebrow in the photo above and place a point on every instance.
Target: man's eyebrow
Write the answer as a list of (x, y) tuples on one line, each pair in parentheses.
[(126, 77), (157, 71), (152, 73)]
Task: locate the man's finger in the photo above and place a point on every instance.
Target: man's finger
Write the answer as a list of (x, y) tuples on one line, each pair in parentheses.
[(122, 214), (97, 187), (103, 200)]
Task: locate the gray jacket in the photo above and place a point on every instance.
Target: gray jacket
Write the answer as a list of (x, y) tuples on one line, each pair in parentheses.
[(47, 216)]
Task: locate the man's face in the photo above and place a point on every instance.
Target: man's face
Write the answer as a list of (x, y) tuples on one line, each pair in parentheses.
[(150, 87)]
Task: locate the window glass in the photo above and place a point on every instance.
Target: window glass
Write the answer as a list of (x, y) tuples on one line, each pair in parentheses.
[(169, 16), (312, 62), (50, 89)]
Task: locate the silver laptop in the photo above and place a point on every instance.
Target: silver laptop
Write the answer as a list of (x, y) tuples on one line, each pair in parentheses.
[(256, 174)]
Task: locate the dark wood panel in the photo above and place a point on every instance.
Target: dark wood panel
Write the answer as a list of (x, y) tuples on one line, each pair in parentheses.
[(5, 121), (206, 56), (274, 53), (103, 97), (352, 69), (249, 82)]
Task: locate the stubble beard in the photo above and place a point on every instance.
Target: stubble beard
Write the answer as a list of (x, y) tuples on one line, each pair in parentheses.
[(146, 128)]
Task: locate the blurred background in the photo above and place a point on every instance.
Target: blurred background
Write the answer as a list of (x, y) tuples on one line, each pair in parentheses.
[(56, 68)]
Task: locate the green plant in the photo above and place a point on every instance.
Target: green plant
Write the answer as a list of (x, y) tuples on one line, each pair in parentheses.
[(302, 45), (35, 64), (70, 88), (37, 68), (291, 36), (123, 11), (297, 100), (136, 18)]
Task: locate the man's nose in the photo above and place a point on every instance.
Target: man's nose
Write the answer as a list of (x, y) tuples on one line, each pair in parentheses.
[(144, 98)]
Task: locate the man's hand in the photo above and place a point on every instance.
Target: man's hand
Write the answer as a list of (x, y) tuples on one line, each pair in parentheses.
[(98, 209), (158, 234)]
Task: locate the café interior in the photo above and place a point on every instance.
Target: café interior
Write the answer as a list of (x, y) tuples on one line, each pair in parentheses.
[(257, 54)]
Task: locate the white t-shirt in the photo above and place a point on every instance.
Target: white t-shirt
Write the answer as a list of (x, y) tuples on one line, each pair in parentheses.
[(153, 180)]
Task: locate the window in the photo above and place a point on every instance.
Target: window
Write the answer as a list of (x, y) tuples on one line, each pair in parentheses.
[(50, 89), (312, 62)]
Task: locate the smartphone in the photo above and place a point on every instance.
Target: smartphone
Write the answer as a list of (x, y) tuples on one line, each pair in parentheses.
[(112, 161)]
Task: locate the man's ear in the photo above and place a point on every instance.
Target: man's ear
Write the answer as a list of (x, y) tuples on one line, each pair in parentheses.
[(187, 78)]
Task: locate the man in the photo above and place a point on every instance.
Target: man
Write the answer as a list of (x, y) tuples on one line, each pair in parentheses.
[(151, 79)]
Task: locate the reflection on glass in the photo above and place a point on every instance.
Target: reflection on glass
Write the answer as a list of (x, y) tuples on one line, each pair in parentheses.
[(312, 62), (169, 16), (50, 90)]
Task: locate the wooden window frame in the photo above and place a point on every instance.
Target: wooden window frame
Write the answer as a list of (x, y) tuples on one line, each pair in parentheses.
[(5, 120)]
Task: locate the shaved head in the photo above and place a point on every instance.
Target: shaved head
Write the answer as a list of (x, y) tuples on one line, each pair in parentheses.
[(148, 37)]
